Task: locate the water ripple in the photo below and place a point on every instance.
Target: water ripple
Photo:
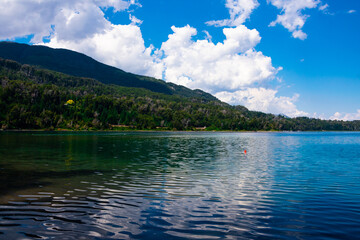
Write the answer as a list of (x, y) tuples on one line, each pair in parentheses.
[(180, 186)]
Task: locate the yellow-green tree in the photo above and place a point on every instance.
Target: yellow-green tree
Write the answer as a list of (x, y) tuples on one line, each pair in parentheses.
[(70, 102)]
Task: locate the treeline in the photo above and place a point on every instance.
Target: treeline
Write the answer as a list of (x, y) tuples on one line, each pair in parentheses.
[(31, 98)]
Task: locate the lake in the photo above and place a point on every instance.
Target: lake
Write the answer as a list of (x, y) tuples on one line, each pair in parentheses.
[(158, 185)]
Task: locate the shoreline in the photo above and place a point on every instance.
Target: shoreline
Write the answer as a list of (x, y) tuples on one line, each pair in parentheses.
[(155, 131)]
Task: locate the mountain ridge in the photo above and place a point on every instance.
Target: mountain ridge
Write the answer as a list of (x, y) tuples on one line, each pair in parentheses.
[(80, 65)]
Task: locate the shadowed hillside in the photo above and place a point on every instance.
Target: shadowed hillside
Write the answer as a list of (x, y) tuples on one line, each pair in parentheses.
[(77, 64)]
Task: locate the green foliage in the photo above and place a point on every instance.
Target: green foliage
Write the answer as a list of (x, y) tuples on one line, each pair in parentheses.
[(31, 98)]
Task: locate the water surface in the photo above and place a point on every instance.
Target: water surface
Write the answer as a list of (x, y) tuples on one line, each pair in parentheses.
[(179, 185)]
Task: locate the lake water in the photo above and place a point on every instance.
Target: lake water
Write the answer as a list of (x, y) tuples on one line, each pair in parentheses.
[(179, 185)]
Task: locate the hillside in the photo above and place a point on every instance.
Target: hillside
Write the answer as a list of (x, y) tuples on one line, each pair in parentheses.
[(77, 64), (33, 98)]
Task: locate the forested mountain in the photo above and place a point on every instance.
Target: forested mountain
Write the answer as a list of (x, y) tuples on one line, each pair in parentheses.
[(77, 64), (33, 98)]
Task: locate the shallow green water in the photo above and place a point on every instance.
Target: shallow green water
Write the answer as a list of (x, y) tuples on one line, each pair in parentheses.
[(179, 185)]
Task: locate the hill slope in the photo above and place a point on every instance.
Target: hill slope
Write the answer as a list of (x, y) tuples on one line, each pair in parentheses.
[(32, 98), (77, 64)]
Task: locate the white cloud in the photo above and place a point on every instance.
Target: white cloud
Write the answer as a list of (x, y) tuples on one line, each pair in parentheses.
[(135, 20), (240, 11), (232, 70), (81, 21), (321, 116), (265, 100), (324, 7), (351, 11), (117, 45), (38, 17), (207, 36), (292, 17), (213, 67), (346, 116)]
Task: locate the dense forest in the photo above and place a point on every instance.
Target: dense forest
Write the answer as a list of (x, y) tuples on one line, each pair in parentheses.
[(33, 98)]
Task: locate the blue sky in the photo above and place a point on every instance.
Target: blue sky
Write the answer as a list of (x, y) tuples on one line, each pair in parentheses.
[(294, 57)]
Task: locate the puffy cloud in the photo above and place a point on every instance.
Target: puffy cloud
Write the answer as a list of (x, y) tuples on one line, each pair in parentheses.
[(25, 17), (232, 70), (81, 21), (346, 116), (213, 67), (229, 70), (292, 17), (135, 20), (68, 17), (240, 11), (264, 100), (117, 45)]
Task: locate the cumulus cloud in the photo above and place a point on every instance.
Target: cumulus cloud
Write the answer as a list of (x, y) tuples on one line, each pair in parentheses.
[(264, 100), (40, 17), (81, 21), (213, 67), (240, 11), (117, 45), (232, 70), (346, 116), (292, 17)]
